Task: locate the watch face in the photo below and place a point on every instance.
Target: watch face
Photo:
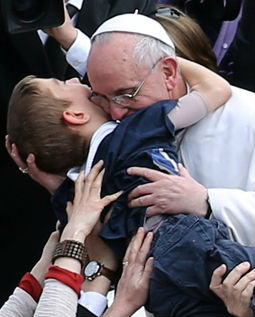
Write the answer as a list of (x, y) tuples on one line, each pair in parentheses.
[(92, 269)]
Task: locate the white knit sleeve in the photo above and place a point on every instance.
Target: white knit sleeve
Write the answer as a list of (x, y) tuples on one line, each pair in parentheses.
[(19, 304), (57, 300)]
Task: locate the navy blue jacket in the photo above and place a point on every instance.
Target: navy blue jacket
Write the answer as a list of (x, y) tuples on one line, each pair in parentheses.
[(186, 248)]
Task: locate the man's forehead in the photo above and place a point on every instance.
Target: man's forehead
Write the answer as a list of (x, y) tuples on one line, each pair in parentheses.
[(111, 62), (118, 45)]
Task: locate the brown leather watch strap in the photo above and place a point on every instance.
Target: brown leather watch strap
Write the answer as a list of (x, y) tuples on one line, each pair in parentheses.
[(110, 274)]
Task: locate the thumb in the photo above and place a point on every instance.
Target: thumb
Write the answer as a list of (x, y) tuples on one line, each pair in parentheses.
[(108, 215), (69, 209), (217, 276), (111, 198), (183, 171)]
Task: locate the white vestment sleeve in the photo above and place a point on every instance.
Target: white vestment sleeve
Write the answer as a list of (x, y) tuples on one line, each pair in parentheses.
[(236, 208), (219, 152)]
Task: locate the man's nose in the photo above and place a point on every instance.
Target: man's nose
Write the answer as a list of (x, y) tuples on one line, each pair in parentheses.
[(118, 112)]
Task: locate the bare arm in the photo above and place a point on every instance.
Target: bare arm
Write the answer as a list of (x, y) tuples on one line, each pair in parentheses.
[(84, 212), (133, 286), (60, 298), (65, 34)]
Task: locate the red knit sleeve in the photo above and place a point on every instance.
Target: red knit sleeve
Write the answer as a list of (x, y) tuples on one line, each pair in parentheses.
[(67, 277), (30, 285)]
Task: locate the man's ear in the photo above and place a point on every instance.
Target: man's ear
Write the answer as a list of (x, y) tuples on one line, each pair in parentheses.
[(75, 117), (170, 69)]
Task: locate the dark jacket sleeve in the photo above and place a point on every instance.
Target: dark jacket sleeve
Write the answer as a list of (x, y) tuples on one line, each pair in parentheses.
[(84, 312)]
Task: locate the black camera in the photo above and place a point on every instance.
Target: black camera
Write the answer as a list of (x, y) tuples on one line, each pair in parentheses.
[(30, 15)]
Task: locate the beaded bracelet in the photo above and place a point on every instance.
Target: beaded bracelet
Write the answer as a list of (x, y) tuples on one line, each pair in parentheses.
[(71, 249)]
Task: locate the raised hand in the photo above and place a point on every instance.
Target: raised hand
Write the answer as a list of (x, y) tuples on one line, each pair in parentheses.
[(133, 287), (87, 206), (49, 181), (236, 290)]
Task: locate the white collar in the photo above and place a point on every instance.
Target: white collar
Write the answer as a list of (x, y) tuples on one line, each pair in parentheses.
[(76, 3), (96, 139)]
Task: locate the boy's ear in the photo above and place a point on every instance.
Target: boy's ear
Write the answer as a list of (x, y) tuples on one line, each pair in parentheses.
[(170, 69), (75, 117)]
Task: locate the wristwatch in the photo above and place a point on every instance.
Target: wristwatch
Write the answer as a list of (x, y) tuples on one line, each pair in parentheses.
[(95, 268)]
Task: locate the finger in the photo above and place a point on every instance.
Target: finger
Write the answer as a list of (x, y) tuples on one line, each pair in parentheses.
[(154, 210), (142, 201), (131, 243), (96, 185), (217, 276), (111, 198), (52, 241), (79, 187), (79, 183), (148, 269), (234, 276), (108, 215), (147, 173), (245, 280), (54, 236), (8, 144), (95, 171), (144, 248), (69, 209), (248, 292), (31, 164), (90, 178), (58, 224), (50, 246), (183, 171), (141, 190), (136, 244), (16, 157)]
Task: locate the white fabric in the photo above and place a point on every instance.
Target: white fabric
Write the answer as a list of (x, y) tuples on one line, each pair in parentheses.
[(135, 23), (94, 302), (219, 153), (139, 313), (57, 300), (75, 3), (77, 55), (96, 139), (19, 304)]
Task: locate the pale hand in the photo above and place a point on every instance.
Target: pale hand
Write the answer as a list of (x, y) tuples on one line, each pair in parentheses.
[(65, 34), (87, 205), (236, 290), (49, 181), (133, 287), (168, 194)]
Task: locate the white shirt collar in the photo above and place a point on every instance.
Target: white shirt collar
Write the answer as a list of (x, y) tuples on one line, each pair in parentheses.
[(76, 3), (96, 139)]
